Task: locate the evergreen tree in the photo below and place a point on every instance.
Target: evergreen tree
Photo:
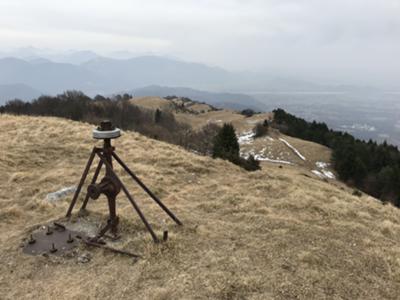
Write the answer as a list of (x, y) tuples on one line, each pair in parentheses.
[(226, 145), (157, 116), (371, 167)]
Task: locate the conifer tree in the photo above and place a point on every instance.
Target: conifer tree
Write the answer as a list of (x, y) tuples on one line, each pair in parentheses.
[(157, 116), (226, 145)]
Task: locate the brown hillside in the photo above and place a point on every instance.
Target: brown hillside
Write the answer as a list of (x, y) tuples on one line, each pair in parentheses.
[(151, 102), (270, 234)]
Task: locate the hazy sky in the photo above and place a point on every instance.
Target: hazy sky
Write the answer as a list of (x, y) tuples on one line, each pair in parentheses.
[(355, 41)]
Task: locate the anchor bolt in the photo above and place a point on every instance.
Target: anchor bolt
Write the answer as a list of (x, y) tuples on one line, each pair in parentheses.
[(70, 239), (31, 240), (53, 248), (49, 231)]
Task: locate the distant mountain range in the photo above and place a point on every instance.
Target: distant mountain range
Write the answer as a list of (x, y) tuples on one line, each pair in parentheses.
[(34, 54), (94, 74)]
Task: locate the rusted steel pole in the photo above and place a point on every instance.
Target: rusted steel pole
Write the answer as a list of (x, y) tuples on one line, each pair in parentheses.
[(144, 187), (130, 198), (96, 175), (82, 181)]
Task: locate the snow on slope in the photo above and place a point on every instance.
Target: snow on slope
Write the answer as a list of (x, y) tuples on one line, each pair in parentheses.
[(323, 172), (276, 161), (293, 148), (247, 138), (269, 149)]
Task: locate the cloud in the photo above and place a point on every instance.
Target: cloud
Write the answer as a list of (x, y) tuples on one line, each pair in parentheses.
[(344, 40)]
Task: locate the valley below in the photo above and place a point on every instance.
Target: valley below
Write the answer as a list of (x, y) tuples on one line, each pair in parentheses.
[(374, 115)]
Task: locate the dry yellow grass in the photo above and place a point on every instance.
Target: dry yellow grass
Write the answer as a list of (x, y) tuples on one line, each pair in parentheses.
[(151, 102), (240, 122), (205, 115), (200, 107), (154, 102), (270, 234), (274, 149)]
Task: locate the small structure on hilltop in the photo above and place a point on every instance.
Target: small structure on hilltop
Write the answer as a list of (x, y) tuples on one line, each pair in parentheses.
[(57, 238), (111, 184)]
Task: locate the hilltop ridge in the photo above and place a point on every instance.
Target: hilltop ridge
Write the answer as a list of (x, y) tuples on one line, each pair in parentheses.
[(273, 233), (275, 147)]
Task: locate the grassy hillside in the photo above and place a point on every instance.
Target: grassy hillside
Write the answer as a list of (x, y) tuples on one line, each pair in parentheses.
[(273, 233), (270, 146), (152, 102)]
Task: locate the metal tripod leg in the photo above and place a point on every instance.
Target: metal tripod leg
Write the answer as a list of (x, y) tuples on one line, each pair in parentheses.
[(130, 198), (82, 181), (144, 187), (95, 176)]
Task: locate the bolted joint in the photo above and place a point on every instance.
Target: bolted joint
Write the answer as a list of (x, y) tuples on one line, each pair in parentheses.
[(94, 191), (108, 186)]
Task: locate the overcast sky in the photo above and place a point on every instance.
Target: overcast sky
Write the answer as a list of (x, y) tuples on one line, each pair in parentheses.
[(354, 41)]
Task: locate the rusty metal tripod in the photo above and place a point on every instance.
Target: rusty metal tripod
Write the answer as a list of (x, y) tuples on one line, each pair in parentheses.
[(111, 185)]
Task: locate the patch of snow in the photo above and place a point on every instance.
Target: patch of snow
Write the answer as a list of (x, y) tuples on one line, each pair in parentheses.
[(270, 138), (277, 161), (263, 150), (318, 173), (321, 164), (60, 194), (328, 174), (293, 148), (323, 172), (246, 138), (261, 157)]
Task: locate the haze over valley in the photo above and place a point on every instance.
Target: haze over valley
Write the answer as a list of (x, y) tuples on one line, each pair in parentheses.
[(373, 115), (367, 112)]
